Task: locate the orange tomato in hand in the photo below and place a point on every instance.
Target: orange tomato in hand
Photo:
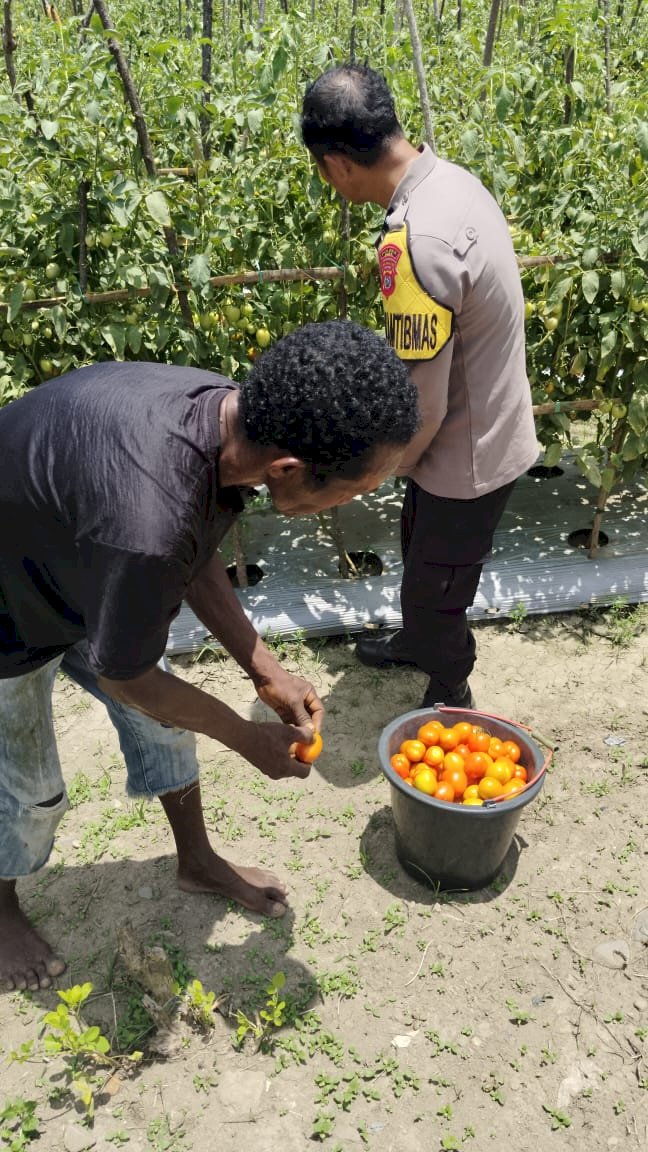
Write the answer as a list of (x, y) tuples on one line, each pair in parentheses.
[(308, 753)]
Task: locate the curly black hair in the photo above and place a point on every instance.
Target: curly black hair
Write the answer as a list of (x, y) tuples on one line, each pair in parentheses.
[(349, 110), (331, 394)]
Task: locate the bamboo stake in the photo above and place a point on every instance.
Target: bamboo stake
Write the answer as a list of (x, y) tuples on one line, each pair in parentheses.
[(490, 33), (84, 186), (420, 73), (206, 72), (144, 142), (267, 276), (553, 407), (9, 44), (9, 47)]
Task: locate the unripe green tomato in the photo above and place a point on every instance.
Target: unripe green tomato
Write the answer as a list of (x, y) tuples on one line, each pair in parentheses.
[(90, 241), (529, 309), (206, 322), (52, 270), (46, 367), (29, 293), (247, 310), (263, 337), (105, 239), (131, 317), (618, 411), (550, 323), (47, 333), (35, 325), (27, 339), (232, 313)]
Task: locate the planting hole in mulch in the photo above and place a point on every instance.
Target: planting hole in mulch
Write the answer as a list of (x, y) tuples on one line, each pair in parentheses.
[(367, 564), (253, 572), (541, 472), (582, 538)]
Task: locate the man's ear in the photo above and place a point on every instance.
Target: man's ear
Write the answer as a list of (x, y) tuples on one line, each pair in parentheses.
[(336, 166), (282, 467)]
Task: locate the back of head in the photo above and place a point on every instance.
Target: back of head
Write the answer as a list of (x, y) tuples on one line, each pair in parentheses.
[(330, 394), (349, 110)]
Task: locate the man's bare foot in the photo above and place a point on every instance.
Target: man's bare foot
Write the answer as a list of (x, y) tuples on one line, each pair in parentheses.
[(254, 888), (26, 960)]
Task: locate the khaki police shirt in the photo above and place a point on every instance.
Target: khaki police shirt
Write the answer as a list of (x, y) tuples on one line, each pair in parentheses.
[(454, 312)]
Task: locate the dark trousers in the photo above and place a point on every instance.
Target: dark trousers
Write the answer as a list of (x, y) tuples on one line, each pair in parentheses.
[(444, 544)]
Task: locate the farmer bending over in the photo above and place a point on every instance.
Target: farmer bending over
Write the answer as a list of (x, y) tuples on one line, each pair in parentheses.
[(118, 482)]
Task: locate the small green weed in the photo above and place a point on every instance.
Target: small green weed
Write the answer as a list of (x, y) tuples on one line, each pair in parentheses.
[(558, 1119), (83, 1049), (18, 1124), (266, 1021)]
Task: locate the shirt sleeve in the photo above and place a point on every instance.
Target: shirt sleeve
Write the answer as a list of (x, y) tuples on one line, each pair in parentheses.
[(441, 276), (131, 600)]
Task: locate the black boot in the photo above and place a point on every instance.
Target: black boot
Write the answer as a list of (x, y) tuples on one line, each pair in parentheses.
[(458, 696), (383, 650)]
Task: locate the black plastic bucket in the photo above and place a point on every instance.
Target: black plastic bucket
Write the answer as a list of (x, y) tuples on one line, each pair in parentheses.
[(457, 846)]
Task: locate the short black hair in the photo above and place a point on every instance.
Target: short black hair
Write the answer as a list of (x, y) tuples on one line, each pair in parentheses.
[(330, 393), (349, 110)]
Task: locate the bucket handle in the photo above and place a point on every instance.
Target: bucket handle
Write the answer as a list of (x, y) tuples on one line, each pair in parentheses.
[(536, 736), (505, 720)]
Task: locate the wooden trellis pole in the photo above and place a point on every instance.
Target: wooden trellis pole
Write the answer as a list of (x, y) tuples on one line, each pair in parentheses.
[(144, 140), (420, 73)]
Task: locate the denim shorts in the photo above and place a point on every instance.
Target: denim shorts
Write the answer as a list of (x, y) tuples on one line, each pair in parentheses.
[(159, 758)]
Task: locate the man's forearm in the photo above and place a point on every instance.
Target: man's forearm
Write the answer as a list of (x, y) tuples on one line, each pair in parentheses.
[(171, 700), (216, 605)]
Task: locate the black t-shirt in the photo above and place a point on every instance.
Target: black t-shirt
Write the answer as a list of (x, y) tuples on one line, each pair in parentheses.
[(109, 506)]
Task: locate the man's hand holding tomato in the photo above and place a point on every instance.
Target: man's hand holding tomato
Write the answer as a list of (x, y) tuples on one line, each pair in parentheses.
[(296, 702)]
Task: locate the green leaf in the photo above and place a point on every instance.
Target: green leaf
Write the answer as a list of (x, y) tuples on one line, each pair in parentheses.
[(504, 101), (553, 455), (590, 469), (134, 338), (617, 282), (158, 208), (608, 342), (638, 413), (115, 337), (279, 61), (255, 119), (49, 128), (590, 285), (469, 141), (14, 301), (59, 320), (641, 137), (199, 270)]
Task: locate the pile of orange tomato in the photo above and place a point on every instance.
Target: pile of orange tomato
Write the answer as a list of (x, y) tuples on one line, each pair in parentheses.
[(463, 764)]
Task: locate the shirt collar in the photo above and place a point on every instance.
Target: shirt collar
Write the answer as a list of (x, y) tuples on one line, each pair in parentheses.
[(419, 168)]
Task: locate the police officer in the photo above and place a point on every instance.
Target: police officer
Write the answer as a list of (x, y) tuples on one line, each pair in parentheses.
[(454, 312)]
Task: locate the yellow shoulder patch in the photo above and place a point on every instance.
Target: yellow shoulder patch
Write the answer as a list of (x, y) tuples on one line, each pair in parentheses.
[(416, 325)]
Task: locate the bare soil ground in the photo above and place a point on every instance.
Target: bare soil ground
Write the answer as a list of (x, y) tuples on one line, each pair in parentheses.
[(413, 1020)]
